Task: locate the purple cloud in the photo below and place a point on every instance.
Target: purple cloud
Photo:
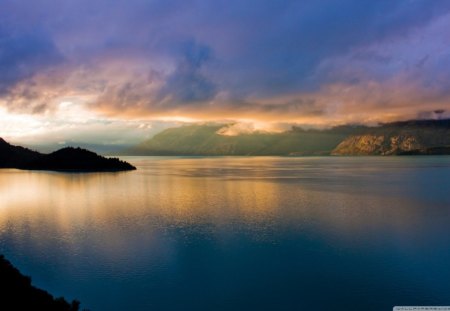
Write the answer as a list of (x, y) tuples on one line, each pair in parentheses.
[(195, 58)]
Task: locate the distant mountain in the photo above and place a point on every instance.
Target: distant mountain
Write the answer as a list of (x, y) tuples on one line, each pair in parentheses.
[(398, 138), (66, 159), (206, 140)]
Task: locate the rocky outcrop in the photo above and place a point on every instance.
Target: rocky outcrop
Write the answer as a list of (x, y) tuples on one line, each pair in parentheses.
[(377, 145), (360, 145)]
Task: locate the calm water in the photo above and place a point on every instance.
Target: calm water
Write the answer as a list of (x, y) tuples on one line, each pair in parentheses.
[(236, 233)]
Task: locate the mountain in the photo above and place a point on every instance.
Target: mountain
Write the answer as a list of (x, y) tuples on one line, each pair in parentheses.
[(66, 159), (397, 138), (207, 140)]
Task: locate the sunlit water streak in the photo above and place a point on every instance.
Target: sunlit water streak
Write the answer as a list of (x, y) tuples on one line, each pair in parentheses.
[(235, 233)]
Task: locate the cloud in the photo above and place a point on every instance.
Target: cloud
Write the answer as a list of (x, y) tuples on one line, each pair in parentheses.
[(311, 61), (187, 84), (22, 55), (239, 128)]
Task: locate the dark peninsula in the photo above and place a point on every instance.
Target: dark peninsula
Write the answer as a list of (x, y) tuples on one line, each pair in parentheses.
[(67, 159)]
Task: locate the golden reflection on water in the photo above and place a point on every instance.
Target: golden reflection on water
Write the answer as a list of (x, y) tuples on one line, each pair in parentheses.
[(182, 225), (169, 193)]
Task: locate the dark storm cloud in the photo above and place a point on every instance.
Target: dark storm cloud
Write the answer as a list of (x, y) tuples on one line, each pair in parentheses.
[(302, 57), (24, 54), (283, 44), (187, 84)]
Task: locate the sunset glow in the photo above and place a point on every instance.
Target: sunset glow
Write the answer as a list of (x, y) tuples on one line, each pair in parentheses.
[(186, 155), (75, 64)]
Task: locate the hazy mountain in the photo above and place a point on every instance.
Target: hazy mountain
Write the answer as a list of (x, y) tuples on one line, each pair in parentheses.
[(206, 140), (410, 137), (66, 159)]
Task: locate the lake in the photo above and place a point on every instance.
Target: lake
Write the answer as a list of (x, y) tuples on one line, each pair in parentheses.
[(235, 233)]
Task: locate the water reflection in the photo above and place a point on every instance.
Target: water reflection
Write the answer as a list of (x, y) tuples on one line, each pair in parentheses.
[(231, 227)]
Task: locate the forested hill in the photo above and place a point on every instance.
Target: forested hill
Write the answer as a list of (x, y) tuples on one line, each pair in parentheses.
[(409, 137), (66, 159)]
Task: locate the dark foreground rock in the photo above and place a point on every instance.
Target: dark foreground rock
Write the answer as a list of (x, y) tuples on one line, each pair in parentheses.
[(17, 293)]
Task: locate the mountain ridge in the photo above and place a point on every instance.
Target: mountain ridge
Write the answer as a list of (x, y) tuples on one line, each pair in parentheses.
[(205, 140), (397, 138)]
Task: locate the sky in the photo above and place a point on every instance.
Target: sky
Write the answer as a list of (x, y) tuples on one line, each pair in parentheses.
[(117, 72)]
